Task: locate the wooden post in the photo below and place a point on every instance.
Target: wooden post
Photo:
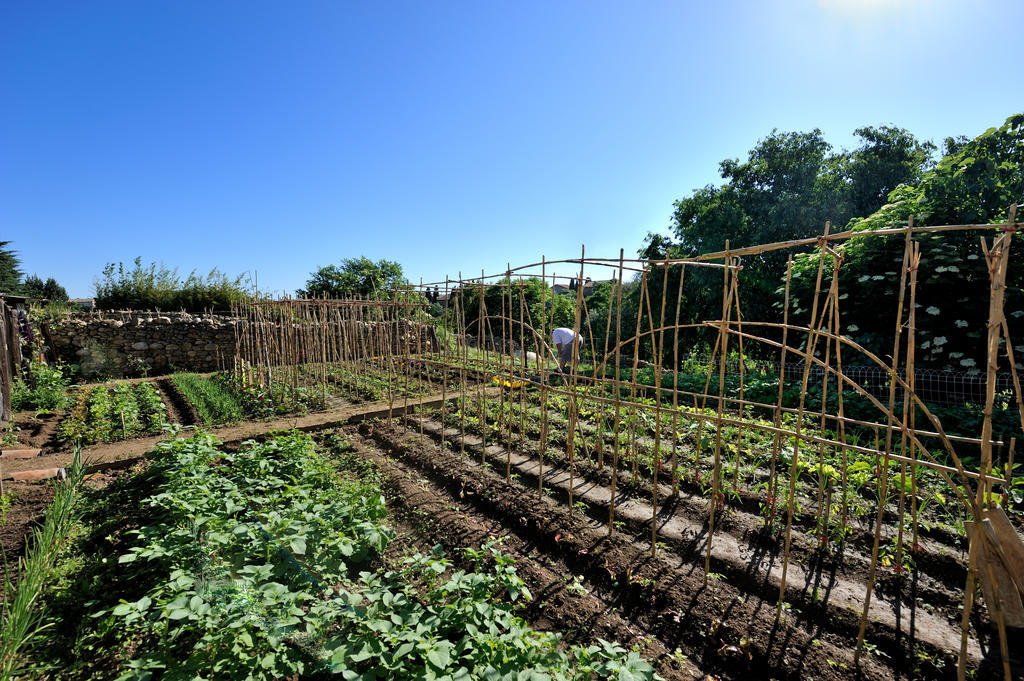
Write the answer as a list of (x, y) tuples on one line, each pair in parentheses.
[(573, 373), (675, 385), (812, 338), (542, 351), (618, 394), (883, 476), (773, 487)]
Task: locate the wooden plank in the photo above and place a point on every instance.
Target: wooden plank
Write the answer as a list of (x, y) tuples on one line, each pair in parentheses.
[(989, 567), (38, 474), (20, 453), (1009, 542)]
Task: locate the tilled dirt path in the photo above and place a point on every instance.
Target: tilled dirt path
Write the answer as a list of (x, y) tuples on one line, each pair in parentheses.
[(682, 525), (421, 508), (726, 628)]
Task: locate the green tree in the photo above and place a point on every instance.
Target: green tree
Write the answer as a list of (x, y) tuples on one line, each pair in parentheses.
[(790, 184), (974, 184), (10, 269), (355, 277), (35, 287), (887, 157)]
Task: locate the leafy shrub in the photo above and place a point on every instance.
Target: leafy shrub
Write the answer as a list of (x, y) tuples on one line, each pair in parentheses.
[(157, 287), (151, 406), (44, 388), (265, 563), (274, 400)]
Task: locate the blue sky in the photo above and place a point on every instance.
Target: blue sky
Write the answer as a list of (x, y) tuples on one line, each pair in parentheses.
[(275, 137)]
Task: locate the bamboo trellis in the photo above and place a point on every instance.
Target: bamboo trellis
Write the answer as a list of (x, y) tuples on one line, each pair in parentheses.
[(488, 326)]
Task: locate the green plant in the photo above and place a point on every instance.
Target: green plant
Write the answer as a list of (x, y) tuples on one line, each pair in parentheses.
[(154, 286), (7, 500), (265, 563), (216, 402), (20, 613), (44, 387)]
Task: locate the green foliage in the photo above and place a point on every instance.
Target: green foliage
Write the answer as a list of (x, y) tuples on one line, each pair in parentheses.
[(52, 311), (10, 269), (887, 158), (35, 287), (265, 564), (119, 411), (216, 402), (789, 186), (43, 387), (151, 287), (20, 612), (975, 184), (276, 399), (7, 500), (355, 277)]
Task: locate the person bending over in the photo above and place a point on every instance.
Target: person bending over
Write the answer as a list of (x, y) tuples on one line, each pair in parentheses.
[(566, 340)]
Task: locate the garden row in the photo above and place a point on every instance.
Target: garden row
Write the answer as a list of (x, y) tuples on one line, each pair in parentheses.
[(833, 485), (270, 562), (829, 554), (121, 410)]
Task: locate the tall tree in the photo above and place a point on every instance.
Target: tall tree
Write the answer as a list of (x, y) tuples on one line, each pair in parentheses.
[(10, 269), (789, 185), (35, 287), (355, 277), (973, 184), (887, 157)]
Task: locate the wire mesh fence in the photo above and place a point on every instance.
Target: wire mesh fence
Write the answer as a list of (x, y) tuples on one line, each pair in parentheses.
[(939, 387)]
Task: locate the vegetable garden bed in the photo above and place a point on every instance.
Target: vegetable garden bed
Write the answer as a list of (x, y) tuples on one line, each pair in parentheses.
[(269, 562)]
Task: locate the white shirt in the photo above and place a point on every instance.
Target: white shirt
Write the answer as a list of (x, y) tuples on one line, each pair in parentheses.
[(564, 336)]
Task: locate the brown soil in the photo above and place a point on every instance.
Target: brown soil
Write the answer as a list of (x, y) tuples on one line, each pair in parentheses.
[(37, 431), (179, 409), (724, 621), (727, 624), (429, 515), (31, 500)]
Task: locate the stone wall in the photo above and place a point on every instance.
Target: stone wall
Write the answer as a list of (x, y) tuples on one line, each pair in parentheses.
[(130, 343), (116, 344)]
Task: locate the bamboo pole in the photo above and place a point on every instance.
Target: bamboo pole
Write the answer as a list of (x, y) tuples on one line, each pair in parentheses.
[(909, 414), (840, 416), (603, 374), (511, 377), (632, 379), (998, 258), (618, 398), (675, 385), (739, 326), (542, 352), (482, 345), (884, 473), (794, 467), (573, 371), (656, 468), (773, 477), (829, 311), (723, 343), (444, 358), (522, 352)]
